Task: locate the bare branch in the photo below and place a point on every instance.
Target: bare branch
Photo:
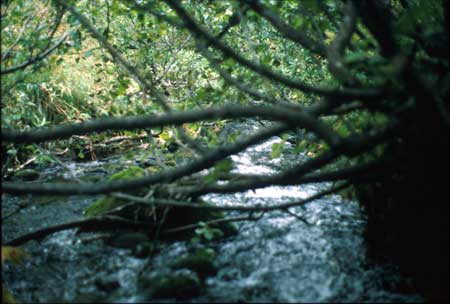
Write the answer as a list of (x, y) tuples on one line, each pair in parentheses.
[(100, 223), (212, 222), (293, 118), (350, 146), (283, 178), (108, 222), (378, 19), (335, 51), (169, 175), (363, 173), (35, 59), (234, 20), (285, 29), (346, 29), (22, 30), (241, 208), (238, 84), (199, 32)]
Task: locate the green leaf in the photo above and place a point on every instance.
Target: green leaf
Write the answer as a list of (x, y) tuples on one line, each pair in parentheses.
[(220, 168), (195, 240), (207, 233), (11, 151), (301, 146), (277, 148), (312, 5), (407, 22), (210, 178), (217, 232), (224, 166)]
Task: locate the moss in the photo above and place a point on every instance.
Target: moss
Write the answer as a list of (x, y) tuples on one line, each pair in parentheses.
[(178, 285), (26, 175), (129, 173), (152, 169), (170, 163), (102, 206), (201, 262), (91, 178)]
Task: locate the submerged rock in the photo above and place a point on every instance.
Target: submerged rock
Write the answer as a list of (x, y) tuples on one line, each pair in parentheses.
[(128, 240), (90, 297), (201, 262), (107, 284), (164, 219), (182, 284)]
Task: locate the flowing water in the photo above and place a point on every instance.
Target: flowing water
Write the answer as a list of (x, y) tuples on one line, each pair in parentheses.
[(315, 253)]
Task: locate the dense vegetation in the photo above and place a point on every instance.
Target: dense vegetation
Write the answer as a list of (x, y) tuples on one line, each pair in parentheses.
[(361, 87)]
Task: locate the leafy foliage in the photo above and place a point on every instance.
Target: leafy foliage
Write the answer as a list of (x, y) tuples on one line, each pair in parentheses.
[(359, 83)]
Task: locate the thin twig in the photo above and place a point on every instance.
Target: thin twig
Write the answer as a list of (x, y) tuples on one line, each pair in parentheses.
[(36, 58), (103, 222)]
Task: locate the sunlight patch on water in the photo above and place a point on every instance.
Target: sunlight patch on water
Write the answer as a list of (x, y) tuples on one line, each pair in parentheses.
[(245, 161), (280, 222), (244, 164), (276, 192), (62, 238)]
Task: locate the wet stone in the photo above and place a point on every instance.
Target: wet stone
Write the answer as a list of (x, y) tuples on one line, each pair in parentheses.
[(201, 262), (128, 240), (181, 284), (107, 284)]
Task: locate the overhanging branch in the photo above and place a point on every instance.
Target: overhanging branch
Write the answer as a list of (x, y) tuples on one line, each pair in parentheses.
[(286, 30), (205, 162), (293, 118), (241, 208)]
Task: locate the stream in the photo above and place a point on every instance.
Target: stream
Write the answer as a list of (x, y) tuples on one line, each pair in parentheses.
[(315, 253)]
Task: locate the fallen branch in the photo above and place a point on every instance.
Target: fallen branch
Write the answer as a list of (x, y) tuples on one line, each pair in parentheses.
[(100, 223), (212, 222), (242, 208), (108, 222)]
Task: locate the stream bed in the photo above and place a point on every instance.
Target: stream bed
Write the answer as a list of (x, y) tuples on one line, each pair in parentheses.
[(315, 253)]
